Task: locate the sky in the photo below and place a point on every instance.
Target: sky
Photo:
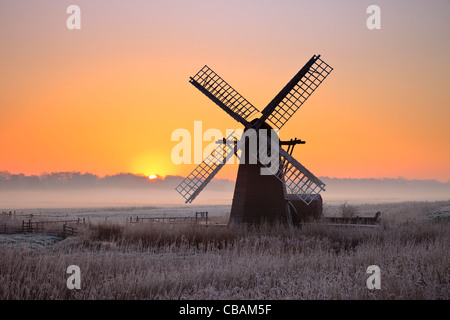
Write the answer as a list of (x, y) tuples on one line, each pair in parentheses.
[(105, 99)]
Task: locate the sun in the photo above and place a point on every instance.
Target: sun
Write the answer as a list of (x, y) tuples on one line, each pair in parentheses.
[(152, 176)]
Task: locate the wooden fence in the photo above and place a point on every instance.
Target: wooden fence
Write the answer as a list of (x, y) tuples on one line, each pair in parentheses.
[(200, 218), (354, 220), (14, 214), (29, 226), (54, 226), (69, 231)]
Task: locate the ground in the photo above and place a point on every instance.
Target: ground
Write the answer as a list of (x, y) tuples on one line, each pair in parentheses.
[(119, 260)]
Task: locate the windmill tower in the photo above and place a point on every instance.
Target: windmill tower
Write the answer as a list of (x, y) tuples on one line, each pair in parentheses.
[(260, 197)]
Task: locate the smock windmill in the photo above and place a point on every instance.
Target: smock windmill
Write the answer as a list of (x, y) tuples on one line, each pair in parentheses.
[(260, 197)]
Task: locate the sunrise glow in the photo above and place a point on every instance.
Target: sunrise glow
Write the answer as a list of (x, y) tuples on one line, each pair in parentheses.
[(106, 98)]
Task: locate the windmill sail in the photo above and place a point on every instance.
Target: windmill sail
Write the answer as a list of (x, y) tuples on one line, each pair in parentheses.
[(197, 180), (219, 91), (296, 92), (298, 180)]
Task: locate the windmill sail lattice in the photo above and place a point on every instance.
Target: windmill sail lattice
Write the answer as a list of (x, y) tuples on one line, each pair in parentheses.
[(219, 91), (298, 180), (197, 180), (302, 86)]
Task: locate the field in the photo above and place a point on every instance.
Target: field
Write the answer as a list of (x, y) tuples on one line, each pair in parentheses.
[(120, 260)]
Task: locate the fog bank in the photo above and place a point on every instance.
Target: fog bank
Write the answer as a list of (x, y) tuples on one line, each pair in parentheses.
[(74, 189)]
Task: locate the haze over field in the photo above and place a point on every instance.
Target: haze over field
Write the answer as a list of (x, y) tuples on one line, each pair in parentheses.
[(74, 189)]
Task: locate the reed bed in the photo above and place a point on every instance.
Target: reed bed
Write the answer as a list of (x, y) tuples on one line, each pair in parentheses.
[(148, 261)]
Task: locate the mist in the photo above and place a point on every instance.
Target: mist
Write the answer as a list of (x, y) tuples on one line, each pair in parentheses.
[(75, 189)]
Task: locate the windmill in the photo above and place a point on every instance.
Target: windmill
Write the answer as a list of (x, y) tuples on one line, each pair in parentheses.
[(260, 197)]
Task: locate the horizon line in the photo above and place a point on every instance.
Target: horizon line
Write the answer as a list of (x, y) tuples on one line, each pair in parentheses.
[(163, 177)]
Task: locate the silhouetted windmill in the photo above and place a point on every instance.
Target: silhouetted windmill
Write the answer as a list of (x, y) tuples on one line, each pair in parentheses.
[(260, 197)]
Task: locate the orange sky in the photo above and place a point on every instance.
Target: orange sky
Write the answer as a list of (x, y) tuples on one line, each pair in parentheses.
[(105, 99)]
